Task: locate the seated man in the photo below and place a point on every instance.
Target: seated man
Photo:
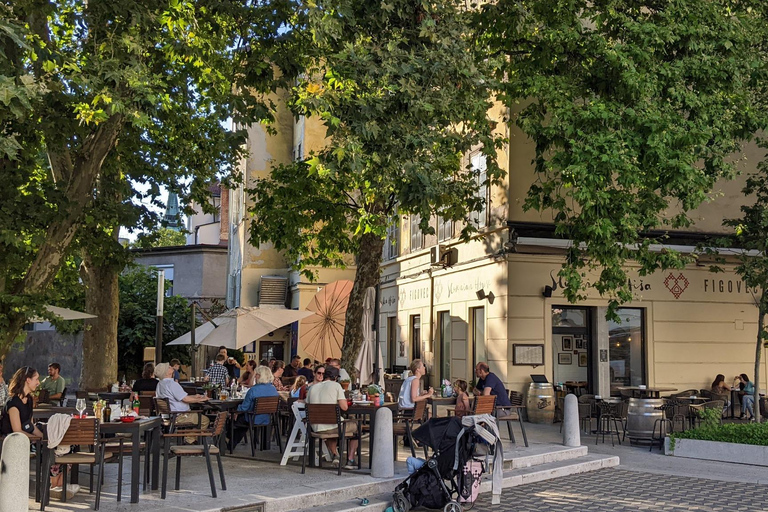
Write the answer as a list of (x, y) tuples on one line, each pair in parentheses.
[(292, 369), (218, 374), (54, 383), (179, 400), (489, 384), (307, 370), (329, 391), (336, 363)]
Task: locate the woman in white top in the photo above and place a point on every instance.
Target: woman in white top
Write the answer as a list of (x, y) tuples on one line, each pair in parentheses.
[(409, 392)]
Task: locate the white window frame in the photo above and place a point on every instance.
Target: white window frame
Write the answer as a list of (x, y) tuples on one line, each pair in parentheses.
[(479, 171), (416, 234)]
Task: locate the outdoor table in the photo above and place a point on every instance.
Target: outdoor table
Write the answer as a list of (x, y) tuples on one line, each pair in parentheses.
[(370, 411), (230, 405), (116, 398), (438, 400), (151, 428), (646, 392), (45, 413)]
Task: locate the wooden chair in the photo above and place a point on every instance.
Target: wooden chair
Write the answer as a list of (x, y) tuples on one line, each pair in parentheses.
[(147, 405), (484, 404), (209, 446), (695, 411), (513, 412), (327, 414), (80, 432), (264, 405), (402, 426), (163, 408)]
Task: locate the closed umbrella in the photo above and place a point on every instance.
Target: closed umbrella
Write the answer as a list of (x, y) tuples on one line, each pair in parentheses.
[(369, 348), (240, 326)]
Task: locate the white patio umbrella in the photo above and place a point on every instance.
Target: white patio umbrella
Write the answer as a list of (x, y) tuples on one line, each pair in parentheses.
[(63, 314), (368, 351), (240, 326)]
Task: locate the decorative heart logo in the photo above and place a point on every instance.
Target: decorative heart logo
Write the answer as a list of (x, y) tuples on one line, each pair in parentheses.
[(676, 285)]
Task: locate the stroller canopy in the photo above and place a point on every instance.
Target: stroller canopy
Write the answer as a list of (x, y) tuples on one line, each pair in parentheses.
[(439, 433)]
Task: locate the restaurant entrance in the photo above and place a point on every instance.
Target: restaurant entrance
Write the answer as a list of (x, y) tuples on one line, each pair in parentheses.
[(572, 345)]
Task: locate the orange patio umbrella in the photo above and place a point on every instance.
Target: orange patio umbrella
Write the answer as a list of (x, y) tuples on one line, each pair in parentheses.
[(322, 333)]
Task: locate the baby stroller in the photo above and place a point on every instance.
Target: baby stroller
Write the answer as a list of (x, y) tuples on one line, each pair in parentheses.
[(437, 485)]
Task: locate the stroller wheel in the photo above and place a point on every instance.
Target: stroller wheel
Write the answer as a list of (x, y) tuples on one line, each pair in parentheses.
[(400, 503), (452, 506)]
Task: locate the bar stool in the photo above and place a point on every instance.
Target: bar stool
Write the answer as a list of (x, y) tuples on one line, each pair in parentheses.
[(664, 425), (608, 415)]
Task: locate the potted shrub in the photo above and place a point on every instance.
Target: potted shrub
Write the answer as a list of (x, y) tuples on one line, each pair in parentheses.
[(211, 390), (344, 384)]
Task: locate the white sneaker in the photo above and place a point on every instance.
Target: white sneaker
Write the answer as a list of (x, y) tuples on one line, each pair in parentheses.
[(72, 489), (335, 461)]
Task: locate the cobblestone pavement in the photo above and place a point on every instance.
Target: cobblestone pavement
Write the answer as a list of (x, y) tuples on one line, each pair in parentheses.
[(618, 490)]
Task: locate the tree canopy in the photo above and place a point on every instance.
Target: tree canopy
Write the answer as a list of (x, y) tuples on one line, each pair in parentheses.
[(635, 109), (403, 98), (98, 96)]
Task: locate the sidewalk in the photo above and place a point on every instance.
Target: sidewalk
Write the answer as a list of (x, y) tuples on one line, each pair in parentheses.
[(254, 481), (638, 458)]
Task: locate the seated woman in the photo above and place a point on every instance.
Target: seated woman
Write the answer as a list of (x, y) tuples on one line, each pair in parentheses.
[(17, 413), (247, 377), (262, 388), (748, 399), (299, 388), (409, 392), (147, 382)]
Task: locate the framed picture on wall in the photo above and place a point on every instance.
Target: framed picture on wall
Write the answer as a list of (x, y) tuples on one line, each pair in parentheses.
[(567, 343), (564, 358), (583, 359), (581, 344)]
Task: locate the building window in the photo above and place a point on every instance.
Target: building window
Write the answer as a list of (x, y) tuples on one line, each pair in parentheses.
[(391, 243), (416, 337), (168, 269), (480, 219), (444, 330), (444, 229), (417, 237), (477, 325), (626, 349)]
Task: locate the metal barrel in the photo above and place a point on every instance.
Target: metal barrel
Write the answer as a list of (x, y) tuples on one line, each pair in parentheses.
[(540, 403), (641, 416)]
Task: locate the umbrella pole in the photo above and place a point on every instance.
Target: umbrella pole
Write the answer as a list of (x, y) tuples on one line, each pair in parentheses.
[(159, 327), (192, 348), (375, 328)]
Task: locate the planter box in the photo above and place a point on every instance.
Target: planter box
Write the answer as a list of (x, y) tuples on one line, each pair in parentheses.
[(722, 452)]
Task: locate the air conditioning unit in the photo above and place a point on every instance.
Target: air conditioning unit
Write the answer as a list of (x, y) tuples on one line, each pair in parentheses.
[(442, 256)]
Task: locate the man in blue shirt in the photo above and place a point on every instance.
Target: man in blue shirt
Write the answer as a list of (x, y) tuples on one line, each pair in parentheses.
[(263, 388), (489, 384)]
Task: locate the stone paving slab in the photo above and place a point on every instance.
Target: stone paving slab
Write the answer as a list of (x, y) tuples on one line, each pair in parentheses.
[(619, 490)]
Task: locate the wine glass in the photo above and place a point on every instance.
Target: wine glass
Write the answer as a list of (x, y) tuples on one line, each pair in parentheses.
[(80, 406)]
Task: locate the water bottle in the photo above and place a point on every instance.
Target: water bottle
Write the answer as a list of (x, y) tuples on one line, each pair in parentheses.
[(233, 389)]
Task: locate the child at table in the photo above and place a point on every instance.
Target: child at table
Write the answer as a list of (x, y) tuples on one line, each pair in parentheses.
[(462, 398), (299, 389)]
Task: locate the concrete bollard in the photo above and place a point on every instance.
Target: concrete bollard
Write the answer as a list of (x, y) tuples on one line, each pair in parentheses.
[(14, 473), (383, 458), (571, 434)]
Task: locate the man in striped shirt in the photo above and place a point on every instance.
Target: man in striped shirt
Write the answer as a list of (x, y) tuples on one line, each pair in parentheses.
[(217, 374)]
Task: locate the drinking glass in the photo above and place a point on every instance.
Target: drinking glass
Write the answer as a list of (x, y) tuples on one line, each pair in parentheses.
[(80, 406)]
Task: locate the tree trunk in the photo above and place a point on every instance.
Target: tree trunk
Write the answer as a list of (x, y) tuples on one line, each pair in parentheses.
[(100, 337), (367, 274), (61, 233), (759, 353)]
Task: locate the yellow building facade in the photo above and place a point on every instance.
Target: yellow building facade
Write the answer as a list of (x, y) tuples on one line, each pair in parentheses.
[(500, 302), (255, 274)]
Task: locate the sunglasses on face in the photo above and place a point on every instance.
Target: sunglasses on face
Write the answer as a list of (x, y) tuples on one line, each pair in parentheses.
[(320, 373)]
